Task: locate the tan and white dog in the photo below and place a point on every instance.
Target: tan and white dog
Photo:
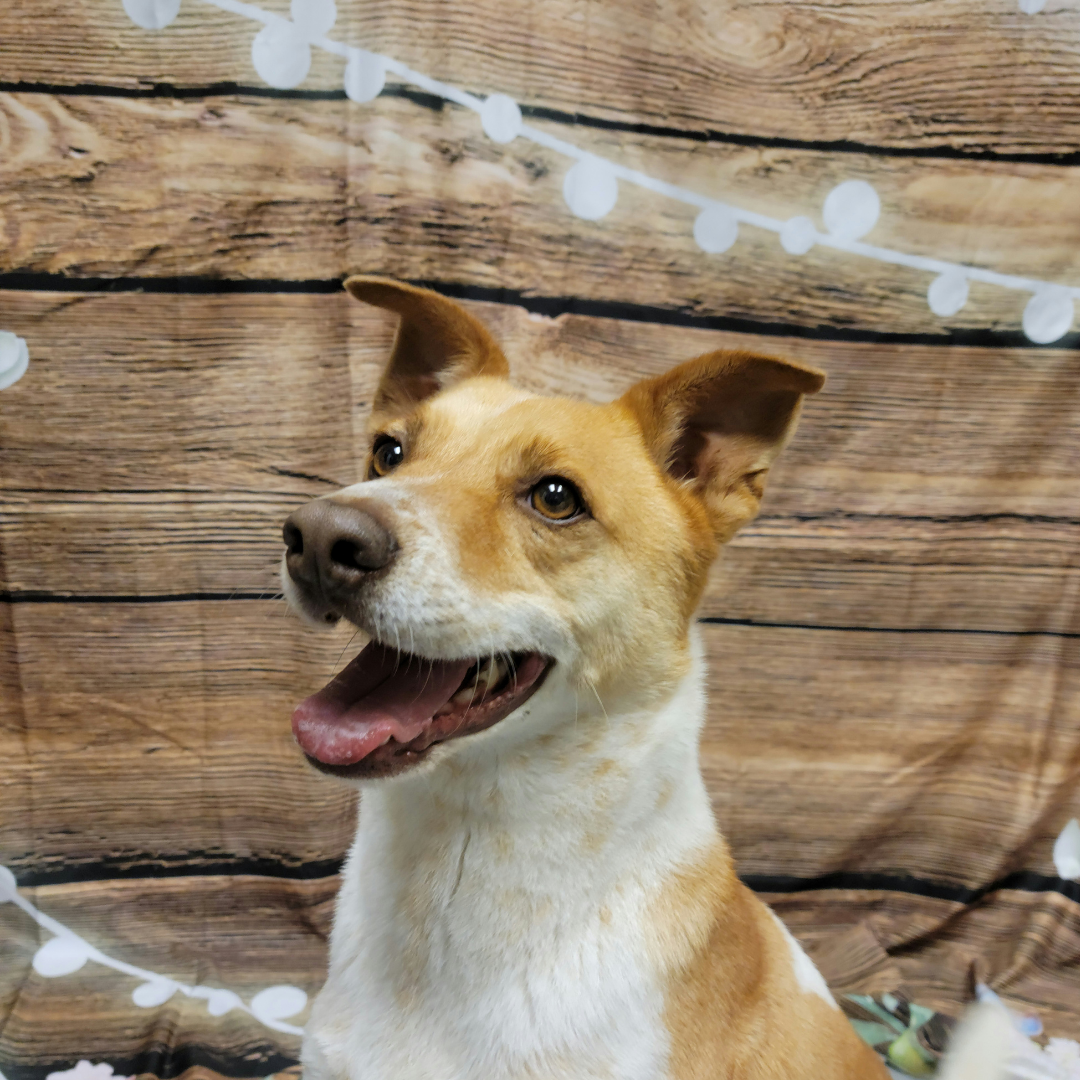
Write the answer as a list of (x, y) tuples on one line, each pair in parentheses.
[(538, 888)]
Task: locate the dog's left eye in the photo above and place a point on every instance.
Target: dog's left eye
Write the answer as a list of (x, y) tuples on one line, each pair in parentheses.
[(556, 499), (386, 455)]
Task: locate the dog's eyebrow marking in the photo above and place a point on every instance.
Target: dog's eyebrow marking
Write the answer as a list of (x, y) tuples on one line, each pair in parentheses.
[(539, 455), (464, 403)]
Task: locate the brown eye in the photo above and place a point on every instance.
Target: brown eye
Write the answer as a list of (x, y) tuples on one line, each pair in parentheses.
[(386, 455), (556, 498)]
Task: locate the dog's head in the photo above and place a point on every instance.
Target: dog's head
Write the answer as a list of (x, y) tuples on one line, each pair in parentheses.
[(499, 536)]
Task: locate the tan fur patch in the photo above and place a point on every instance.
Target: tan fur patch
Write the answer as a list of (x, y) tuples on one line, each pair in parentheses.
[(734, 1008)]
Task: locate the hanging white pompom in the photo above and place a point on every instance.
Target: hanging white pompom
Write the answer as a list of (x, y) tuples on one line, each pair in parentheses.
[(500, 117), (851, 210), (797, 235), (948, 293), (8, 885), (590, 188), (14, 358), (84, 1070), (149, 995), (313, 18), (1048, 315), (365, 76), (281, 55), (219, 1002), (715, 229), (61, 956), (152, 14), (1032, 7), (1067, 852), (278, 1003)]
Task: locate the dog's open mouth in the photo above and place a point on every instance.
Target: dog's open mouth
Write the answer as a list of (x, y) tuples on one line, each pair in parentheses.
[(387, 708)]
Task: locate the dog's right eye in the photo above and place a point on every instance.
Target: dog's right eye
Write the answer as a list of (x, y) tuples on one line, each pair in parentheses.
[(386, 456), (556, 499)]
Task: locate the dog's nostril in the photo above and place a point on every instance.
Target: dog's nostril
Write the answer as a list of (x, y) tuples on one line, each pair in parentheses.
[(294, 539), (347, 553)]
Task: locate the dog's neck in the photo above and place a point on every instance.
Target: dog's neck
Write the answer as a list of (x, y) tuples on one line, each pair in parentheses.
[(506, 902), (537, 837)]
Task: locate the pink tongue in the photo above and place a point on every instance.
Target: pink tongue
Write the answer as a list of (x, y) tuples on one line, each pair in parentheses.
[(381, 695)]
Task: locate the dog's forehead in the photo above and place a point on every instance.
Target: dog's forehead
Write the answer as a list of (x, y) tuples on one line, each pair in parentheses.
[(492, 414)]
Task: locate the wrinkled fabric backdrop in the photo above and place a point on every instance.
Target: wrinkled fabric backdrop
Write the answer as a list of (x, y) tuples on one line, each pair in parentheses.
[(894, 732)]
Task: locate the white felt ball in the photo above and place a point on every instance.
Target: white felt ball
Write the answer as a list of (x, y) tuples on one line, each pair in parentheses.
[(8, 885), (152, 14), (948, 293), (149, 995), (14, 358), (60, 956), (1032, 7), (278, 1002), (500, 118), (365, 76), (590, 189), (219, 1002), (1067, 852), (715, 229), (313, 18), (851, 209), (797, 235), (281, 55), (1048, 315)]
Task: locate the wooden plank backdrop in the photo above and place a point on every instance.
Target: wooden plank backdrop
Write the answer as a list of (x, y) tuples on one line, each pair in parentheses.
[(196, 187), (894, 732), (959, 76)]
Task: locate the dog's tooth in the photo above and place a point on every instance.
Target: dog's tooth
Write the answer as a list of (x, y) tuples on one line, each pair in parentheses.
[(490, 675)]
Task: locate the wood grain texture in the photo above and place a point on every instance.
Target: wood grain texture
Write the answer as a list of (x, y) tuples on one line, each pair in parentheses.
[(961, 74), (158, 736), (267, 188), (927, 488), (949, 758), (1023, 945)]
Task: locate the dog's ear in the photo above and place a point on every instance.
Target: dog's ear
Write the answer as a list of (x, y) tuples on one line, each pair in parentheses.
[(718, 422), (438, 342)]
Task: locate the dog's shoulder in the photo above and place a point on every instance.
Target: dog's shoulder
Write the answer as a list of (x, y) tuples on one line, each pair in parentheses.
[(742, 998)]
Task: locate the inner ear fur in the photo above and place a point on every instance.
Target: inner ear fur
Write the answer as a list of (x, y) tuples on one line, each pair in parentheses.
[(437, 343), (717, 423)]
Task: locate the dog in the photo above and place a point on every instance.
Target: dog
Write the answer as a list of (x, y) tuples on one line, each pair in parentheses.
[(538, 889)]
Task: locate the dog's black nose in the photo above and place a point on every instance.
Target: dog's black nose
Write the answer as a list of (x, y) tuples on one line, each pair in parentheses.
[(332, 546)]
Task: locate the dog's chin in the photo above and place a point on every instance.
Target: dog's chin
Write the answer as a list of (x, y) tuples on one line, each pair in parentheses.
[(388, 712)]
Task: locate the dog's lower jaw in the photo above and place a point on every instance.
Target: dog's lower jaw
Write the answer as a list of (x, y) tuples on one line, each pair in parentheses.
[(493, 915)]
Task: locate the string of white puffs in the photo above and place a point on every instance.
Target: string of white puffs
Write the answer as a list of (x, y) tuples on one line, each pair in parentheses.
[(281, 54), (65, 952)]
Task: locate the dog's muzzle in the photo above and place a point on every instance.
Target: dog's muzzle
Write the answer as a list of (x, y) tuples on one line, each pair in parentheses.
[(332, 548)]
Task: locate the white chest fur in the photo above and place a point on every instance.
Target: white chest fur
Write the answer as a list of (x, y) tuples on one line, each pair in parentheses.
[(494, 915)]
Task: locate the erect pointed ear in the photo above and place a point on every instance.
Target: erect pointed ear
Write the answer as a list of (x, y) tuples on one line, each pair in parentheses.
[(718, 422), (438, 342)]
